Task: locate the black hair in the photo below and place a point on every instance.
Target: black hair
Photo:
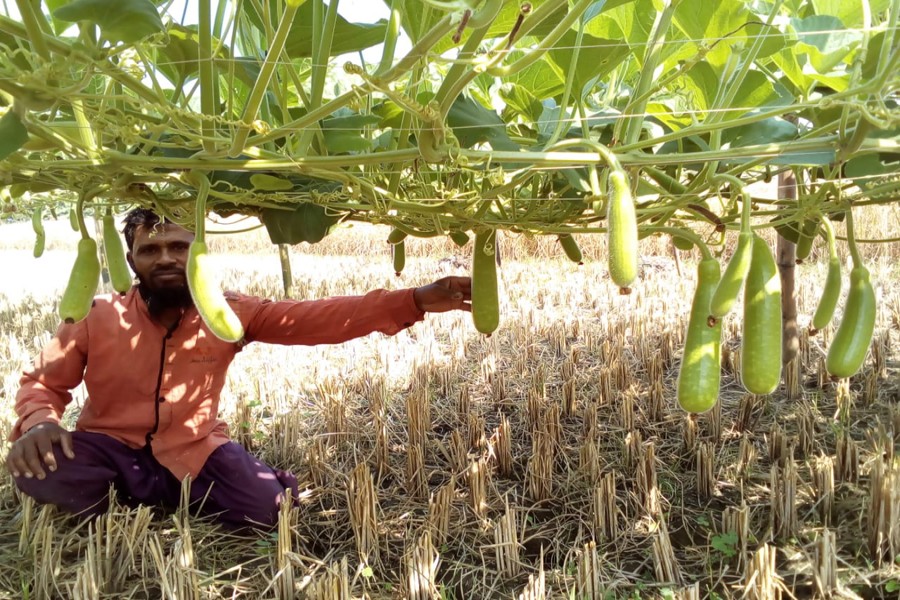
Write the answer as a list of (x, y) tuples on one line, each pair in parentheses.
[(139, 217)]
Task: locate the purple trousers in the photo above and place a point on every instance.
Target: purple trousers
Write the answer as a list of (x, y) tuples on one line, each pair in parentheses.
[(233, 486)]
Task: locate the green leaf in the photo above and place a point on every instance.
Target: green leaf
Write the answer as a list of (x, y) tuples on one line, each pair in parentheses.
[(712, 20), (119, 20), (873, 56), (596, 58), (540, 78), (179, 56), (521, 102), (756, 90), (13, 134), (865, 169), (389, 113), (726, 543), (304, 222), (348, 37), (850, 13), (769, 131), (629, 22), (8, 46), (270, 183), (344, 134), (472, 124), (774, 41), (58, 25), (824, 40)]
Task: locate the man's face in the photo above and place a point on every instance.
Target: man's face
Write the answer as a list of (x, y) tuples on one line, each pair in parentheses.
[(159, 259)]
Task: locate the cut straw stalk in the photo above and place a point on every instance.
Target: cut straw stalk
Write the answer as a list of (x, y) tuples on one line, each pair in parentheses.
[(333, 584), (439, 510), (362, 500), (478, 479), (503, 446), (761, 580), (605, 509), (539, 472), (736, 520), (823, 487), (665, 564), (826, 554), (783, 510), (422, 563), (506, 544), (589, 576), (883, 514)]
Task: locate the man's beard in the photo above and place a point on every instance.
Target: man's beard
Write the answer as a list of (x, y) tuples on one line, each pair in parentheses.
[(161, 298)]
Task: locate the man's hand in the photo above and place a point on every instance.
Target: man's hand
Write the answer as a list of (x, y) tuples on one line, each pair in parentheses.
[(449, 293), (33, 450)]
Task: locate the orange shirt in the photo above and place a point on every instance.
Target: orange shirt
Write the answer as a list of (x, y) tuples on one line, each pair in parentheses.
[(124, 356)]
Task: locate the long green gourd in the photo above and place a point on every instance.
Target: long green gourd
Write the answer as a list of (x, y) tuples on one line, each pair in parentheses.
[(119, 274), (851, 342), (84, 279), (761, 343), (729, 287), (700, 372), (485, 299), (208, 297), (831, 291)]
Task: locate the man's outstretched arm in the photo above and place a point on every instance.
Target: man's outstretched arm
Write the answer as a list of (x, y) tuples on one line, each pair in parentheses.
[(342, 318)]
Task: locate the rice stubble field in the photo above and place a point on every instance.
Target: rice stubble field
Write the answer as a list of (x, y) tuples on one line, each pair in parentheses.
[(549, 460)]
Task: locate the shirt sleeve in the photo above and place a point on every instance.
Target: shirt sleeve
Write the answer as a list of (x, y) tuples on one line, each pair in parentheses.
[(44, 391), (327, 321)]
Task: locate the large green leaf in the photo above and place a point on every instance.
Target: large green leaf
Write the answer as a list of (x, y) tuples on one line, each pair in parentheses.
[(348, 37), (13, 134), (390, 114), (58, 25), (768, 131), (804, 80), (628, 22), (304, 222), (119, 20), (596, 58), (850, 12), (710, 21), (178, 58), (539, 78), (773, 40), (825, 41), (756, 90), (521, 102), (865, 170), (344, 132), (473, 124)]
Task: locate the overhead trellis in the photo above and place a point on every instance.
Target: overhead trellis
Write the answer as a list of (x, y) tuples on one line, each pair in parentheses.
[(503, 113)]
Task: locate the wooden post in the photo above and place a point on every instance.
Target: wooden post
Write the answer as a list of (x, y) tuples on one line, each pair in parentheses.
[(787, 261), (287, 279)]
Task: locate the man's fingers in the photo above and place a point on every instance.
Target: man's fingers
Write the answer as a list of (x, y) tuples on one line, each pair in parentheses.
[(45, 450), (65, 440), (33, 466), (13, 463)]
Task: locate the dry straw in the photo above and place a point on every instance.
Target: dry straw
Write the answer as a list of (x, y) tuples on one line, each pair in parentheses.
[(388, 436)]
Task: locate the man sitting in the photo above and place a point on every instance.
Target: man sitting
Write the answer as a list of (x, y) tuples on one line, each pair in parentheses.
[(154, 374)]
